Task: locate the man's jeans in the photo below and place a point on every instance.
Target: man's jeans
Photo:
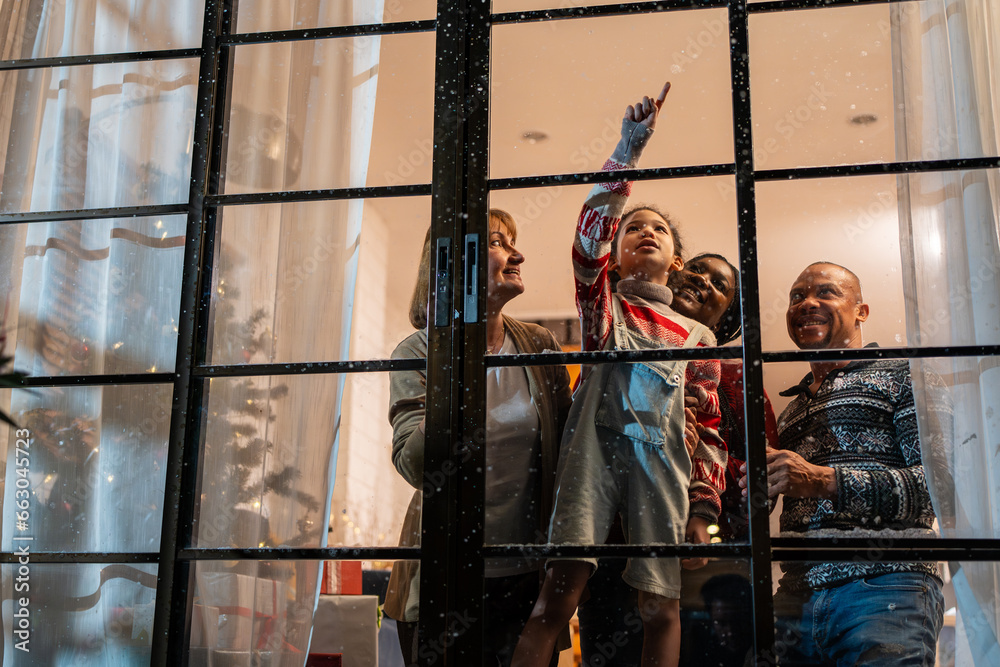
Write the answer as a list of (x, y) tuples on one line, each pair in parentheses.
[(892, 619)]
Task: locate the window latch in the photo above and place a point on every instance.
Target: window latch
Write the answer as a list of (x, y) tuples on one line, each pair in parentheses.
[(471, 278), (442, 282)]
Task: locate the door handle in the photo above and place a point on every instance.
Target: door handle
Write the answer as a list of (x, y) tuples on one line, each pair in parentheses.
[(471, 278), (442, 282)]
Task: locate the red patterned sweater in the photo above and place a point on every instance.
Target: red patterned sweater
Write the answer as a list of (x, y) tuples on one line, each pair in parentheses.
[(646, 307)]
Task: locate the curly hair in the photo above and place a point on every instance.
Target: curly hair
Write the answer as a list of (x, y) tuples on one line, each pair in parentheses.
[(613, 275)]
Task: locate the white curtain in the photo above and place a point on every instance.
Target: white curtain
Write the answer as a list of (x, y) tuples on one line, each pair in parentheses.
[(92, 297), (103, 297), (948, 106), (301, 118)]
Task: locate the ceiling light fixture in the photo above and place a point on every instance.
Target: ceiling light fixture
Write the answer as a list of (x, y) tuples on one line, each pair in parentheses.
[(534, 136), (863, 119)]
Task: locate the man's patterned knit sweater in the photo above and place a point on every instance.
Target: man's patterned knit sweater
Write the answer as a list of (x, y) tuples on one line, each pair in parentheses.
[(862, 422)]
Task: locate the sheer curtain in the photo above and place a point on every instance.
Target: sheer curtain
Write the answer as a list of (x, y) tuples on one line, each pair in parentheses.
[(101, 297), (92, 297), (948, 106), (301, 117)]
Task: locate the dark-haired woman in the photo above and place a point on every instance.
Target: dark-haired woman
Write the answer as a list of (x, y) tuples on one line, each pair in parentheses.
[(707, 290), (526, 410)]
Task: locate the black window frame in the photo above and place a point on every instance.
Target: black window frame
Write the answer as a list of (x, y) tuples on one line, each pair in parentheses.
[(452, 576)]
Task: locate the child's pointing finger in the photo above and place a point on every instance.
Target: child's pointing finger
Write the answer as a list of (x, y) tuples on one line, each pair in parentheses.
[(663, 95)]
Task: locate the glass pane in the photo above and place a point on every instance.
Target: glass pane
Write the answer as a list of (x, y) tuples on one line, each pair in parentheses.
[(849, 85), (559, 90), (97, 136), (89, 462), (923, 604), (971, 625), (924, 247), (94, 296), (51, 28), (369, 104), (851, 221), (951, 272), (949, 49), (270, 458), (261, 15), (262, 613), (954, 399), (822, 87), (703, 209), (502, 6), (250, 613), (716, 614), (87, 615), (323, 281)]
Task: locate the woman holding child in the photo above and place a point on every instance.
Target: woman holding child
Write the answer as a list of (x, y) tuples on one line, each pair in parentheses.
[(706, 290), (526, 410)]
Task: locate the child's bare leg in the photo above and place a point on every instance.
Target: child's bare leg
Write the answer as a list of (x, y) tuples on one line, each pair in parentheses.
[(661, 626), (558, 599)]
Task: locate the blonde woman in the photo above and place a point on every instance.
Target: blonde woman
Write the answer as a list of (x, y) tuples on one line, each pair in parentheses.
[(526, 410)]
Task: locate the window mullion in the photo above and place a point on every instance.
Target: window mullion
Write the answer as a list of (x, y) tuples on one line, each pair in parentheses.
[(451, 570), (470, 577), (753, 376), (173, 605)]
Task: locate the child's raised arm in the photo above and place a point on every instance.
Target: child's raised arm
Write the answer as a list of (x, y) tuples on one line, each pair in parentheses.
[(599, 219)]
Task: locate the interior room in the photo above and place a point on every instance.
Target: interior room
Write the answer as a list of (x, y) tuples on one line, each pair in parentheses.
[(211, 222), (557, 98)]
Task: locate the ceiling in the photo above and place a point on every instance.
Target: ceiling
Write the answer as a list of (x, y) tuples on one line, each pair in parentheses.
[(821, 83)]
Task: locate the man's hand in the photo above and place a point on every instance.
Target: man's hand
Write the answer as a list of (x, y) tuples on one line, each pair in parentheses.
[(792, 475), (696, 533), (647, 110)]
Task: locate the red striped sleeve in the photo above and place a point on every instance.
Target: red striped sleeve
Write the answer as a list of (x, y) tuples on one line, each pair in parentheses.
[(703, 379), (594, 263), (623, 188), (594, 226), (714, 475), (590, 274)]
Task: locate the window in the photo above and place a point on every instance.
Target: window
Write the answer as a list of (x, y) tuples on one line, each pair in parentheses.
[(210, 219)]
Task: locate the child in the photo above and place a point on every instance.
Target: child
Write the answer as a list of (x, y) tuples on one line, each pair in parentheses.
[(623, 448)]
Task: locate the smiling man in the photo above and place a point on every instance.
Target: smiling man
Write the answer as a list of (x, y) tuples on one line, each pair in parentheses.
[(849, 459)]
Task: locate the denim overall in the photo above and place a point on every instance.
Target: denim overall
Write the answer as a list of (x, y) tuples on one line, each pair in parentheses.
[(623, 451)]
